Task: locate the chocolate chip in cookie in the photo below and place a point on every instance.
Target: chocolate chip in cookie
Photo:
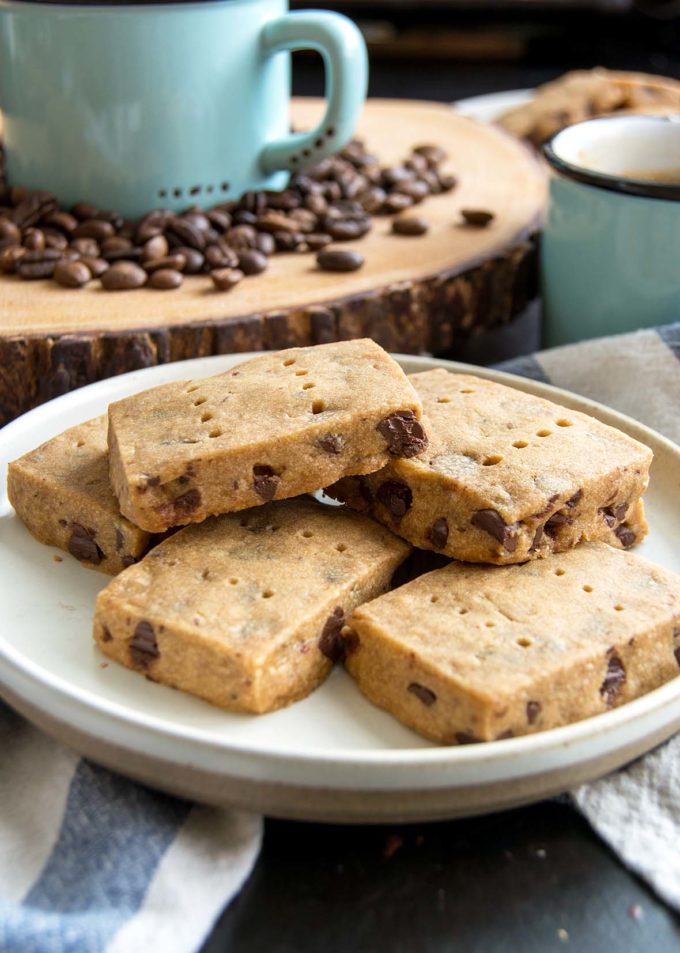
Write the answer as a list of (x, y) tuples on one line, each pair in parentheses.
[(404, 434)]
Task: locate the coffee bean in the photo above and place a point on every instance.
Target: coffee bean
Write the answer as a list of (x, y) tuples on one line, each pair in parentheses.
[(38, 264), (55, 239), (447, 181), (316, 203), (432, 154), (225, 279), (96, 266), (417, 163), (476, 217), (409, 225), (194, 259), (33, 239), (184, 233), (252, 262), (397, 202), (395, 174), (252, 202), (165, 279), (241, 237), (305, 220), (347, 230), (86, 246), (175, 262), (317, 240), (9, 258), (94, 228), (288, 241), (156, 247), (152, 224), (219, 220), (285, 201), (276, 222), (32, 208), (337, 260), (72, 274), (123, 276), (220, 255), (416, 189), (84, 211), (9, 232), (63, 221), (266, 243), (197, 218), (115, 244), (17, 194)]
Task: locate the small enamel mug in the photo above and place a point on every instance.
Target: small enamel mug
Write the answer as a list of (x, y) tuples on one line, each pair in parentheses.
[(132, 106), (610, 251)]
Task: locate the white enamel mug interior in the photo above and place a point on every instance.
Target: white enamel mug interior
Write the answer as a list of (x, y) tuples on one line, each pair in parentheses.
[(612, 147)]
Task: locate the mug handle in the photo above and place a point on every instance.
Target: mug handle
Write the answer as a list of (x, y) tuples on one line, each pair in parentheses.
[(342, 47)]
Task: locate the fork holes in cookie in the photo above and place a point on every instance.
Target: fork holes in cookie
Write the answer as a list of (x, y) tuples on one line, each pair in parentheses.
[(341, 548), (492, 460), (289, 361), (543, 433), (524, 643), (307, 533), (318, 406), (267, 594), (467, 390), (215, 432), (199, 401), (233, 582), (205, 574), (308, 386), (587, 588), (434, 599), (618, 608), (81, 443), (520, 444), (563, 422), (191, 389), (490, 625), (206, 416), (443, 400), (301, 373), (463, 611), (559, 572)]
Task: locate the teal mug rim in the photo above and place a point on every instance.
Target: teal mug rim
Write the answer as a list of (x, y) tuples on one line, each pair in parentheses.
[(609, 181)]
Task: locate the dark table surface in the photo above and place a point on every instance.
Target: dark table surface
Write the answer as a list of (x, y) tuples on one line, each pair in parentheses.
[(532, 880)]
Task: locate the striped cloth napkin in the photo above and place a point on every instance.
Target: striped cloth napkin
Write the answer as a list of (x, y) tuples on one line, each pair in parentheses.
[(92, 862)]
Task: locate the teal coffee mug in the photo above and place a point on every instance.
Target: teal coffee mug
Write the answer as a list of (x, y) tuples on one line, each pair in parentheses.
[(609, 251), (134, 106)]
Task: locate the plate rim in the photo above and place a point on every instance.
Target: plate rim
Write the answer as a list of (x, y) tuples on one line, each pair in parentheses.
[(496, 752)]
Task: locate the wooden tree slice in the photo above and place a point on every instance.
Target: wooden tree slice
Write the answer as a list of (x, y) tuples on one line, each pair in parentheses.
[(412, 295)]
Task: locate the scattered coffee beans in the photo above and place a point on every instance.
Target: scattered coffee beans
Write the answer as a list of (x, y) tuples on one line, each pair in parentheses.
[(477, 217), (409, 225), (339, 260), (334, 201)]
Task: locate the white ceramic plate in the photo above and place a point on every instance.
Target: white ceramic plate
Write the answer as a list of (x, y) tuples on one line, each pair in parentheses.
[(332, 756), (490, 106)]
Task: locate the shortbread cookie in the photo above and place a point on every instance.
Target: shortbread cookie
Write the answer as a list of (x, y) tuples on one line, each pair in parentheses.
[(506, 476), (584, 94), (273, 427), (245, 610), (477, 653), (61, 491)]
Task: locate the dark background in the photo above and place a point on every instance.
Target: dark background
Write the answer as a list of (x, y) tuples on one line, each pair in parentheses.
[(533, 880)]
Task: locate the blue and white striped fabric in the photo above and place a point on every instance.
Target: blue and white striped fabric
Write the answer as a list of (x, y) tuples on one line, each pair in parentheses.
[(93, 863)]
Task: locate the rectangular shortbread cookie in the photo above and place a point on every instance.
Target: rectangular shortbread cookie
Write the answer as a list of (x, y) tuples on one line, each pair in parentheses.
[(477, 653), (506, 476), (277, 426), (245, 610), (61, 491)]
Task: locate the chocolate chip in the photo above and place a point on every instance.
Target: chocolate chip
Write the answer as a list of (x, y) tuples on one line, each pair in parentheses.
[(676, 644), (463, 738), (120, 539), (143, 645), (573, 500), (185, 504), (106, 634), (558, 519), (331, 443), (614, 677), (538, 536), (331, 642), (351, 640), (404, 434), (491, 522), (426, 695), (153, 481), (626, 536), (265, 482), (82, 545), (477, 217), (395, 496), (438, 533), (533, 711)]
